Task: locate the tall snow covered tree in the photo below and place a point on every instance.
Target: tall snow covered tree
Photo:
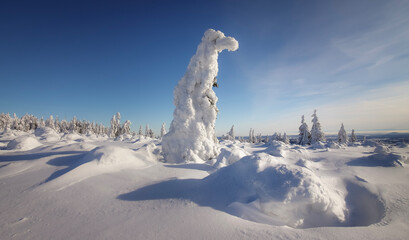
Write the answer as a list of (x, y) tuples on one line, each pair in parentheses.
[(342, 135), (191, 136), (317, 135), (163, 130), (353, 137), (304, 135)]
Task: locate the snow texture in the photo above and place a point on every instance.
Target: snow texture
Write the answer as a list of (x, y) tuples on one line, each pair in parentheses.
[(191, 136)]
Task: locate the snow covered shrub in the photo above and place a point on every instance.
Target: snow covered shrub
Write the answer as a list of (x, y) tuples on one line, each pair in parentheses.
[(191, 136)]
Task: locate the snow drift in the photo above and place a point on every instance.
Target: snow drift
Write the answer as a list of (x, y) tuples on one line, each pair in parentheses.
[(191, 136), (23, 143), (290, 195), (115, 155)]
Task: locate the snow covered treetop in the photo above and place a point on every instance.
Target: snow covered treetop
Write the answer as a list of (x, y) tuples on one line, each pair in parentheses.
[(220, 41)]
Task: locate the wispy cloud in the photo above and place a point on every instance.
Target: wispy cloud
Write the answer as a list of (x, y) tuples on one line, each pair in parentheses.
[(362, 75)]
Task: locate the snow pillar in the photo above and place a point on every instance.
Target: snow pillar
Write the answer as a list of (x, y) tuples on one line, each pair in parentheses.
[(191, 136)]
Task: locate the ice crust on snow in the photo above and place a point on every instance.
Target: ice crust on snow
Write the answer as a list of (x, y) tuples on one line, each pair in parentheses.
[(191, 137)]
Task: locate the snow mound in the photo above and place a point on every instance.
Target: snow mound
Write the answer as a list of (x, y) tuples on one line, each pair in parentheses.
[(277, 149), (47, 134), (229, 156), (23, 143), (382, 149), (262, 185), (114, 155), (73, 137)]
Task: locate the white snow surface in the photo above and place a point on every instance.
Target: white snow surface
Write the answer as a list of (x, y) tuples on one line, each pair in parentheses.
[(191, 137), (97, 188)]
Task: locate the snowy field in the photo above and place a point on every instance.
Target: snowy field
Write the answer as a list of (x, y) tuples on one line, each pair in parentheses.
[(70, 186)]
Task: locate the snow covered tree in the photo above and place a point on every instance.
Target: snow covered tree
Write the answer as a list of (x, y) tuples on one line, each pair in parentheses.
[(147, 130), (231, 133), (126, 127), (304, 135), (342, 135), (317, 135), (163, 130), (115, 129), (285, 139), (5, 122), (16, 123), (50, 122), (140, 133), (252, 137), (191, 136), (259, 138), (353, 137)]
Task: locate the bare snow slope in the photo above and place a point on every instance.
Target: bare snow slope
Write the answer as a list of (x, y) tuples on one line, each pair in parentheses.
[(96, 188)]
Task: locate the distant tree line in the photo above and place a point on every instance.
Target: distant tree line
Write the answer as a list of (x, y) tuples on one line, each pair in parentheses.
[(29, 123), (305, 136)]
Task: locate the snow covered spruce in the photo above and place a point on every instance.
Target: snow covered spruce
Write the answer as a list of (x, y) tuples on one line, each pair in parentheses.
[(191, 137)]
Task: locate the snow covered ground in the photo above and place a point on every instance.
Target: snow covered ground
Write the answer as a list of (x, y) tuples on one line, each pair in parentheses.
[(55, 186)]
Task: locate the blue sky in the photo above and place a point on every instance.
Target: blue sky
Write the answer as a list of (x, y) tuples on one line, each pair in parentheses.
[(347, 59)]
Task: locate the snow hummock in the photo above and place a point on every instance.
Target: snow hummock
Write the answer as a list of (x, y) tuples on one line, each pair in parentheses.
[(290, 195), (23, 143), (47, 134), (111, 155), (191, 137)]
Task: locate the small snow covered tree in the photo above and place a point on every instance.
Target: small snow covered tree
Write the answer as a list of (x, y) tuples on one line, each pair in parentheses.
[(140, 133), (50, 122), (342, 135), (163, 130), (304, 135), (115, 129), (126, 127), (147, 130), (317, 135), (73, 125), (285, 139), (353, 137), (231, 134), (191, 135)]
